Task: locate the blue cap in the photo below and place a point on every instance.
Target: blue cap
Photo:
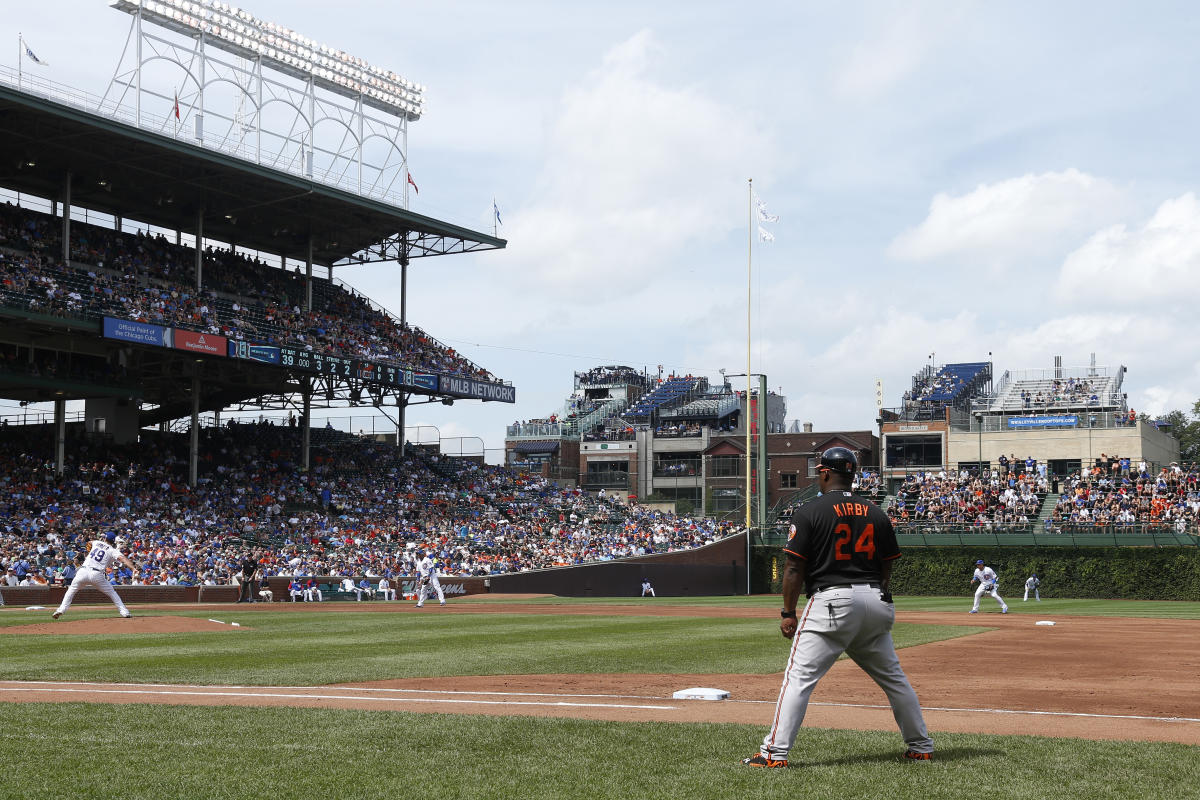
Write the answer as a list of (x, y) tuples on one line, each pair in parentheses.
[(110, 537), (980, 561)]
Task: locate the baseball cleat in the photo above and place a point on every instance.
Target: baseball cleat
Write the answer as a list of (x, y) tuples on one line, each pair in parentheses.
[(913, 755), (759, 760), (126, 616), (972, 611), (56, 614), (1004, 611)]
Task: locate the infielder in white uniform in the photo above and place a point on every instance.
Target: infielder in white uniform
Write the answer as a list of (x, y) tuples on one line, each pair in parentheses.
[(94, 572), (988, 584), (426, 576), (1032, 585)]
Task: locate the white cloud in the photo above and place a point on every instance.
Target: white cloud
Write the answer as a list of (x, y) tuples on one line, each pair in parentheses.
[(634, 171), (1011, 219), (1158, 262)]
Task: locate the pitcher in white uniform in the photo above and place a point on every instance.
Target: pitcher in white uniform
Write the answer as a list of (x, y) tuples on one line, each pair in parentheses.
[(93, 572), (427, 576)]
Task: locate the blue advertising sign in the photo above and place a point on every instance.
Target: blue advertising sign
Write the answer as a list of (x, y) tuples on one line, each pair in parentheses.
[(138, 332), (267, 354), (1063, 421)]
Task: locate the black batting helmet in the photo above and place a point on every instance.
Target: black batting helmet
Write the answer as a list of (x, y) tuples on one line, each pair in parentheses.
[(840, 460)]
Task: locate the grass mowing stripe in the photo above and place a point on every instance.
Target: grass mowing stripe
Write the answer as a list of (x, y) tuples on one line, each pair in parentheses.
[(1161, 609), (232, 752), (293, 648)]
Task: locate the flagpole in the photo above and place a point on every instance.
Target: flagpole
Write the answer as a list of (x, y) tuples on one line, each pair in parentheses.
[(20, 57), (749, 415), (495, 232)]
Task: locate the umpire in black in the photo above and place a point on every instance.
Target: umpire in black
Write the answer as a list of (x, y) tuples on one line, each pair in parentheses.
[(839, 553), (249, 592)]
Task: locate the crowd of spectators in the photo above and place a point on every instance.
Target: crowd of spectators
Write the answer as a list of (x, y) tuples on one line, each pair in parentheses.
[(990, 500), (607, 376), (1063, 393), (150, 279), (1119, 493), (359, 510)]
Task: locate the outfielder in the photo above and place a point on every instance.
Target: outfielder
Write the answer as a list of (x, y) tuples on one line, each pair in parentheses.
[(647, 589), (1032, 585), (427, 575), (988, 584), (93, 572), (840, 553)]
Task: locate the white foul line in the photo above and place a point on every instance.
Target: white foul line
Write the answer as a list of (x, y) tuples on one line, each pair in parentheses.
[(338, 697)]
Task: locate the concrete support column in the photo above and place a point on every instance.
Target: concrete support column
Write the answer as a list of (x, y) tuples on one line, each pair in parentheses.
[(199, 249), (404, 290), (66, 220), (308, 276), (60, 436), (194, 446), (306, 425), (401, 406)]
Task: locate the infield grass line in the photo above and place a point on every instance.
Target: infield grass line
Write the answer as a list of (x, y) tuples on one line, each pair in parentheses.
[(292, 692)]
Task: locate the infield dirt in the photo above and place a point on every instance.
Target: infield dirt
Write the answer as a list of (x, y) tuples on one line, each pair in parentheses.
[(1085, 677)]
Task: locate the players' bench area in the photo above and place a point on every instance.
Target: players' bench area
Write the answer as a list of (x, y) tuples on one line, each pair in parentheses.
[(330, 588)]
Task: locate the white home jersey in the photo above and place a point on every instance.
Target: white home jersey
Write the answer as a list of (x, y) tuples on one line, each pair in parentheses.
[(101, 556)]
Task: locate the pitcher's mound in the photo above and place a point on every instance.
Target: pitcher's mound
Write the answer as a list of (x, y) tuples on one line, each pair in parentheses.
[(115, 625)]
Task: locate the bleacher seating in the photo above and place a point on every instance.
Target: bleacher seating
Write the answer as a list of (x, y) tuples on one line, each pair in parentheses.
[(993, 501), (360, 510), (146, 278), (671, 391), (1100, 392)]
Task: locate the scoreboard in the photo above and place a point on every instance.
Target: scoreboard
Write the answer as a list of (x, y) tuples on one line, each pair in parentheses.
[(306, 361), (299, 360)]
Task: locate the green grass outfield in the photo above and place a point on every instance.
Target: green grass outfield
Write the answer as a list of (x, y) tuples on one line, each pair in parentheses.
[(122, 751), (308, 648), (1159, 609), (145, 751)]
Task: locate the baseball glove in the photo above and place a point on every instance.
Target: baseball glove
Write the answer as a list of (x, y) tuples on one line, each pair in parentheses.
[(424, 581)]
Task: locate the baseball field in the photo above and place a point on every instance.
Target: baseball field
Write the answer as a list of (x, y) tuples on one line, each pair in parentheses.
[(545, 697)]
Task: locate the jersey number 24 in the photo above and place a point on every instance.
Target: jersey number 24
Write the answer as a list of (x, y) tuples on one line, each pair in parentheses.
[(865, 543)]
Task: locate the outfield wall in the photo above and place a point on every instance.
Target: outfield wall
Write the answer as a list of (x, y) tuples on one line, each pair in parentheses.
[(1126, 573), (715, 569)]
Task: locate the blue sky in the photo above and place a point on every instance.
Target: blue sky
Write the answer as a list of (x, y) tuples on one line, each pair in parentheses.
[(951, 178)]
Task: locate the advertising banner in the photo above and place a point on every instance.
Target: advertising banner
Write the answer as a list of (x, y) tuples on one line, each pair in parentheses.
[(138, 332), (267, 354), (480, 390), (1063, 421), (203, 343)]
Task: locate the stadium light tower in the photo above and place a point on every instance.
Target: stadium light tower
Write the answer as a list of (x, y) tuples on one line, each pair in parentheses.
[(293, 85)]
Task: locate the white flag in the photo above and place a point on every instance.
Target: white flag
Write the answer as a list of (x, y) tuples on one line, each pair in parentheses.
[(765, 235), (763, 214), (29, 54)]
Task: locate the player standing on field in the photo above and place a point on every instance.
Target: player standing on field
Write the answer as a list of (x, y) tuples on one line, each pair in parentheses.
[(94, 572), (426, 576), (840, 554), (989, 583), (1031, 585)]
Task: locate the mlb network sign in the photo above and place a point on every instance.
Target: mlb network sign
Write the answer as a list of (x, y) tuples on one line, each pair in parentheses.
[(482, 390)]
